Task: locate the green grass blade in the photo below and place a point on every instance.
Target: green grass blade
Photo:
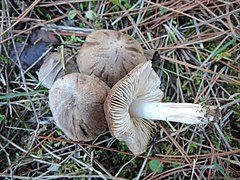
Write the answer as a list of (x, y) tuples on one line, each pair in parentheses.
[(14, 95), (225, 46)]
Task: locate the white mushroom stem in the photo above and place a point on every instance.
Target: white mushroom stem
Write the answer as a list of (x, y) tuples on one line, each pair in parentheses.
[(177, 112)]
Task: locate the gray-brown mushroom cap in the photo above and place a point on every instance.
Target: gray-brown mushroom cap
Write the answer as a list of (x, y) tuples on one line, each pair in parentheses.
[(76, 102), (52, 68), (141, 84), (109, 55)]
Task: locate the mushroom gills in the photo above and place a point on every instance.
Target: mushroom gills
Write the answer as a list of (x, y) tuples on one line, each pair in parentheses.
[(176, 112)]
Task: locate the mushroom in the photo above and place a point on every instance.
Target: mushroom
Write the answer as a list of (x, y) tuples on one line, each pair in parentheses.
[(52, 68), (136, 100), (76, 101), (109, 55)]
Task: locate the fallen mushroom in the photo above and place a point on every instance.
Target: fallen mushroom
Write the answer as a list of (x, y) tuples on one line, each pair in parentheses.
[(109, 55), (76, 102), (136, 99), (52, 68)]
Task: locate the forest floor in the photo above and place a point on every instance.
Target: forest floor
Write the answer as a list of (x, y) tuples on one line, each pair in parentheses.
[(197, 45)]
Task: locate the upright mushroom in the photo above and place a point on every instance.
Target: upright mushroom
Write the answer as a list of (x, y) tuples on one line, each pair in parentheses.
[(136, 99), (76, 102), (109, 55)]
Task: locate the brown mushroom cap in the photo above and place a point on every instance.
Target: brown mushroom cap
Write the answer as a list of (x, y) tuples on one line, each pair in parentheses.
[(109, 55), (76, 102), (52, 69)]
